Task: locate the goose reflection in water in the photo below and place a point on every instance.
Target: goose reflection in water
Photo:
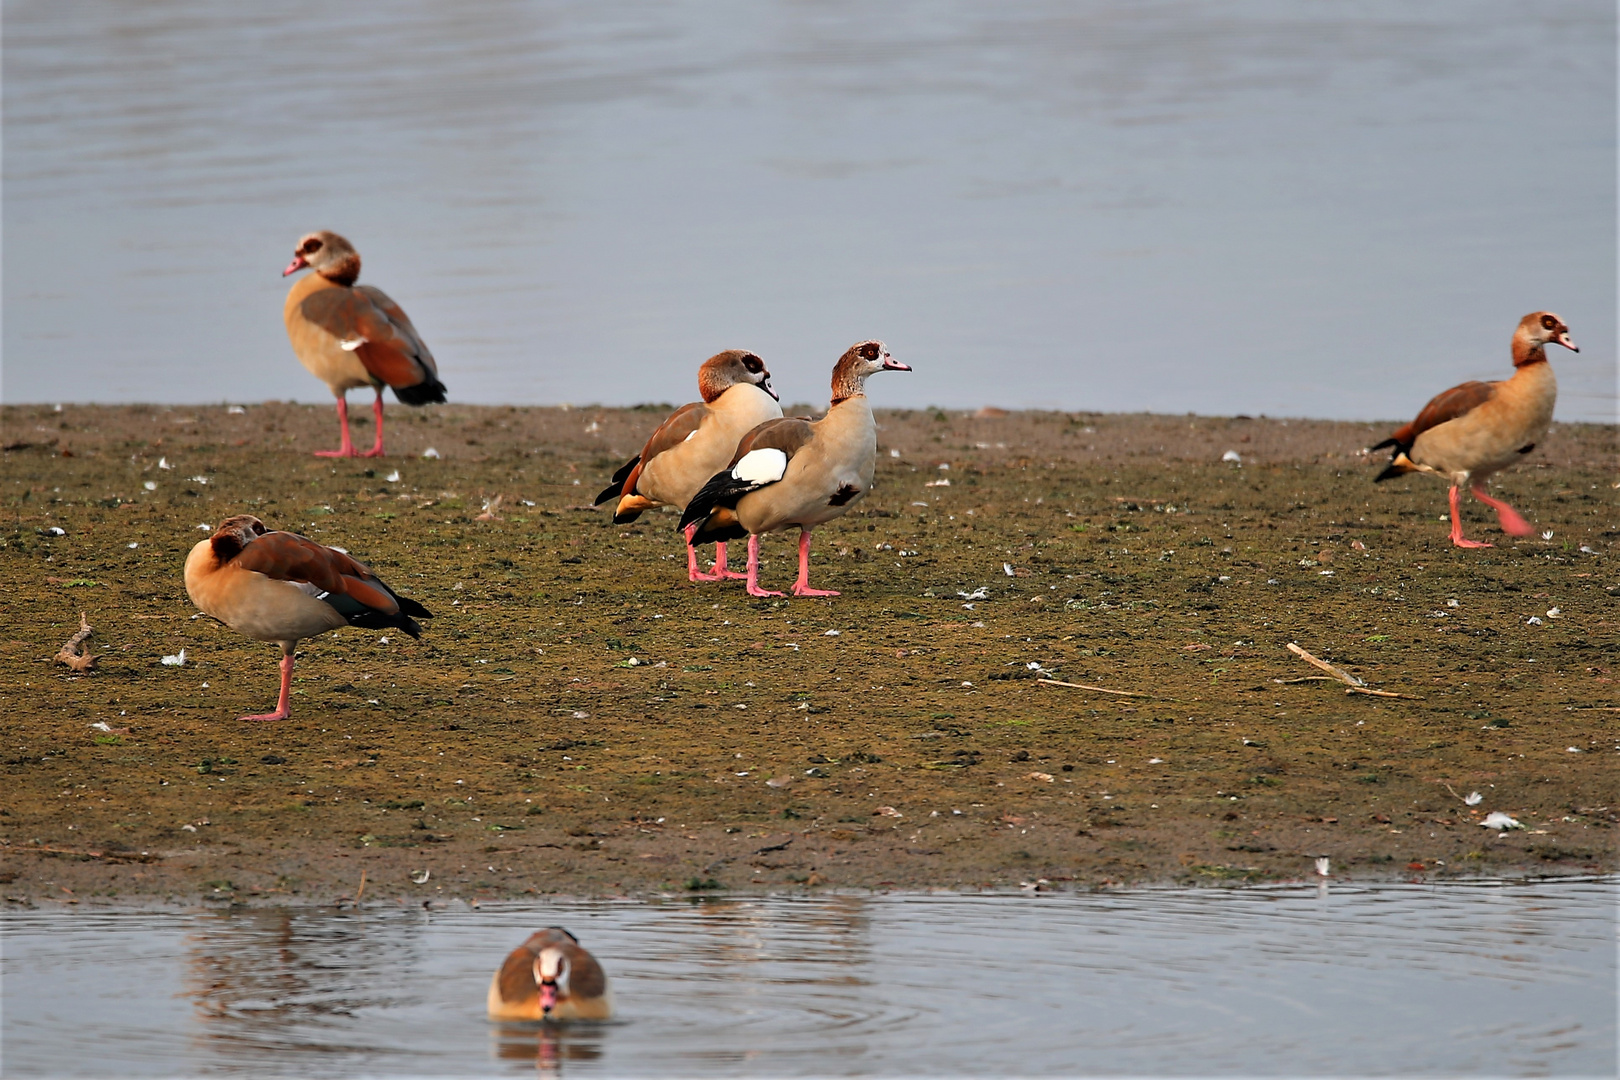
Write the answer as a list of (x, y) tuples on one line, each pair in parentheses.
[(547, 1046), (279, 979)]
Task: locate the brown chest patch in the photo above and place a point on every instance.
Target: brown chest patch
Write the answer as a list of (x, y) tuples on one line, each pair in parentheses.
[(843, 495)]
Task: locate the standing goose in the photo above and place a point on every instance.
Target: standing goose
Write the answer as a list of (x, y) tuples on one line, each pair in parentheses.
[(279, 586), (549, 977), (1479, 428), (351, 335), (794, 472), (693, 442)]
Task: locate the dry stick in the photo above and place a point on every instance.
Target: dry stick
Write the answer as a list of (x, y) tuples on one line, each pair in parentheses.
[(1343, 676), (74, 653), (362, 890), (1352, 684), (1095, 689)]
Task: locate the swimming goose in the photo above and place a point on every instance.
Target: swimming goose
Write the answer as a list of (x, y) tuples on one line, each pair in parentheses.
[(795, 472), (549, 977), (1479, 428), (351, 335), (279, 586), (693, 442)]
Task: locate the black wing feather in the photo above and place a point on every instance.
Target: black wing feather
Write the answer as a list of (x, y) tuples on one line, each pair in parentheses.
[(722, 490), (428, 392), (616, 489)]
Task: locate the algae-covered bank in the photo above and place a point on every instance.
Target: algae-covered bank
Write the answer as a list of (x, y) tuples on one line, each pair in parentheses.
[(578, 718)]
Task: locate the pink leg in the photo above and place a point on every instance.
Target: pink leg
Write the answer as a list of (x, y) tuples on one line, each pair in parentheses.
[(347, 447), (802, 586), (692, 571), (376, 409), (283, 709), (1456, 523), (720, 571), (1512, 523), (753, 570)]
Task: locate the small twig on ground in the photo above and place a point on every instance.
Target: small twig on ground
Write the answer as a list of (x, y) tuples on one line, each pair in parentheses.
[(1305, 678), (1094, 689), (1379, 693), (1338, 673), (75, 654), (362, 890)]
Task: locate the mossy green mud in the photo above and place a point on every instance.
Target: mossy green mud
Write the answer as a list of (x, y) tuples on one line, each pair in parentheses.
[(578, 718)]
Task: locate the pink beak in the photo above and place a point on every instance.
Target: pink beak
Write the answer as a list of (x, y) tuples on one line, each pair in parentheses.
[(1563, 339), (548, 996), (298, 263), (891, 364)]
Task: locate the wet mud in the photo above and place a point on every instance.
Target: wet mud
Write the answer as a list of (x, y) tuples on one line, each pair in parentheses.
[(580, 719)]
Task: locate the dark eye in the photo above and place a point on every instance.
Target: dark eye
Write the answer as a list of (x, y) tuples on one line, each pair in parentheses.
[(753, 363), (869, 351), (311, 246), (1549, 322)]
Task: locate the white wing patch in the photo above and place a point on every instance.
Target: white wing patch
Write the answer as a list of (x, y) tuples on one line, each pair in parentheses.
[(761, 467), (351, 344), (690, 436)]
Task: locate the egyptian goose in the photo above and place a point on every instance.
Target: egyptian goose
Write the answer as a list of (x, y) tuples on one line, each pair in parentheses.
[(351, 335), (1479, 428), (279, 586), (549, 977), (693, 443), (796, 472)]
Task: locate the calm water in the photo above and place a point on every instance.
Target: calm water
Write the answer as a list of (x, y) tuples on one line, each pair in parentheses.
[(1470, 980), (1251, 206)]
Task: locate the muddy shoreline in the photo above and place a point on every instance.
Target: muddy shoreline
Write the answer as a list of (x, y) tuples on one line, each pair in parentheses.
[(579, 719)]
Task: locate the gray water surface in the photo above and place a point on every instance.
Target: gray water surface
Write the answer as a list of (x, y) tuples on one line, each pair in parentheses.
[(1330, 210), (1461, 979)]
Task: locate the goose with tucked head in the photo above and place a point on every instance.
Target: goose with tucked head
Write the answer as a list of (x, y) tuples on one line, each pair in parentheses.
[(1476, 429), (282, 587)]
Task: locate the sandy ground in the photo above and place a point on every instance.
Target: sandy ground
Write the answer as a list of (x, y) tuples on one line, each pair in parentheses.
[(580, 719)]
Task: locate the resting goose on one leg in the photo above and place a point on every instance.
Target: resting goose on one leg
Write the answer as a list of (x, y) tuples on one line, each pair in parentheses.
[(351, 335), (794, 472), (279, 586), (1479, 428), (550, 977), (693, 442)]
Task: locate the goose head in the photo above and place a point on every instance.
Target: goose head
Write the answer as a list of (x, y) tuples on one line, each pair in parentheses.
[(733, 367), (328, 254)]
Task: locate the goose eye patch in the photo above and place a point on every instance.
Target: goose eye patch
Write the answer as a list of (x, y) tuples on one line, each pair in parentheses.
[(869, 351)]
